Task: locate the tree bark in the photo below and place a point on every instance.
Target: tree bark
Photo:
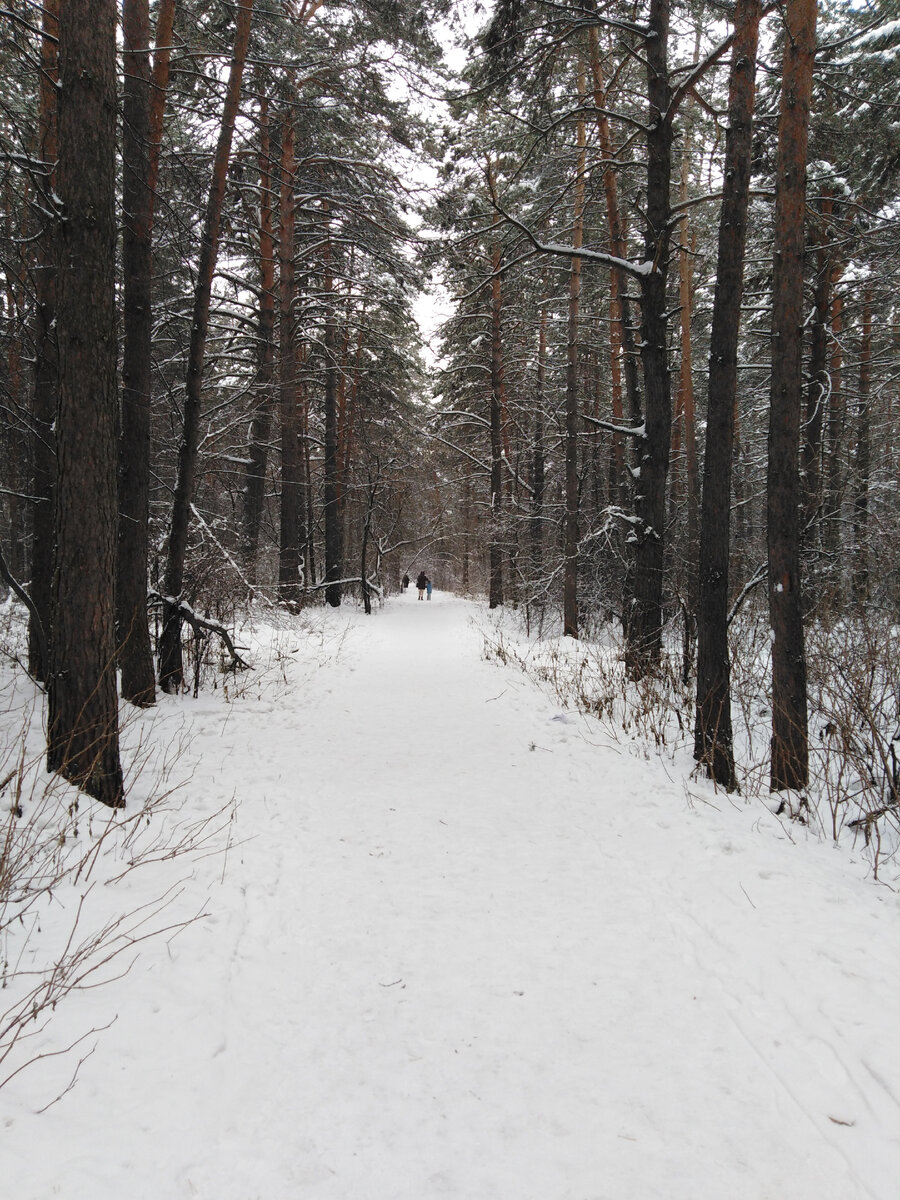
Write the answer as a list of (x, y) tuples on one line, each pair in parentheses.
[(537, 459), (623, 355), (159, 85), (289, 539), (790, 753), (495, 588), (334, 555), (261, 420), (82, 743), (570, 558), (46, 365), (817, 390), (171, 672), (133, 631), (833, 489), (685, 403), (713, 738), (863, 457), (644, 612)]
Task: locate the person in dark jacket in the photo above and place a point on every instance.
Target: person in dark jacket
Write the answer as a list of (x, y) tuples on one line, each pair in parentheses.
[(404, 582), (422, 584)]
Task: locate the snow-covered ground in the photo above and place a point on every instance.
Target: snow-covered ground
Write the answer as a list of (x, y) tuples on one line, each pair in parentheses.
[(464, 945)]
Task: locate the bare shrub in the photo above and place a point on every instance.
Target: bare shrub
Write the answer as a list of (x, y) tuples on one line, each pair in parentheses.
[(854, 712), (67, 923), (591, 676)]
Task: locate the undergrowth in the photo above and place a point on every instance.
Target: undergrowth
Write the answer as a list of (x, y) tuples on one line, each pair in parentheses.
[(853, 669)]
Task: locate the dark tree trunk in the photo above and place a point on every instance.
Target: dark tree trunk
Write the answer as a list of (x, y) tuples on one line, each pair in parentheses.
[(833, 489), (332, 516), (261, 421), (133, 632), (713, 731), (289, 540), (43, 456), (537, 460), (817, 391), (685, 406), (83, 743), (863, 458), (570, 558), (495, 586), (789, 712), (171, 672), (644, 613), (310, 530), (13, 438)]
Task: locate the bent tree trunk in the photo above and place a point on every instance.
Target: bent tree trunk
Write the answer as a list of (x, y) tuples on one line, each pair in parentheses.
[(790, 752), (712, 729), (171, 672), (83, 739)]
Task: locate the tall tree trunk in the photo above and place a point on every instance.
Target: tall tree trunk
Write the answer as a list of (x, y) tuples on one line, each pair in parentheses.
[(537, 460), (644, 620), (863, 457), (159, 85), (289, 540), (133, 631), (309, 539), (83, 742), (570, 559), (43, 455), (495, 589), (833, 491), (261, 420), (171, 673), (713, 742), (334, 551), (685, 402), (13, 437), (622, 349), (790, 752), (817, 390)]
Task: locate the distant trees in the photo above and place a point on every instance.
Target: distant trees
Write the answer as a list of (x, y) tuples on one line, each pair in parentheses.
[(202, 488), (589, 395), (170, 664), (615, 237)]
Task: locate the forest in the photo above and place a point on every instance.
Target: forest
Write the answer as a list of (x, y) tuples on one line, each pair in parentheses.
[(660, 408), (592, 313)]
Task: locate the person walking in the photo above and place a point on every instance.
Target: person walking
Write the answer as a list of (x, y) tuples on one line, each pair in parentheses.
[(428, 590), (404, 582), (422, 584)]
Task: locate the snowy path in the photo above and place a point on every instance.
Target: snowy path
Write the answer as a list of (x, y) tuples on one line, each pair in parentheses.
[(472, 950)]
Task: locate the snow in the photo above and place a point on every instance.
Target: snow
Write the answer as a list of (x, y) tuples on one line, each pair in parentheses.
[(465, 944)]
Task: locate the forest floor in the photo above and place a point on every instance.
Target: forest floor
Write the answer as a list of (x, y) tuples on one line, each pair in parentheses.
[(465, 945)]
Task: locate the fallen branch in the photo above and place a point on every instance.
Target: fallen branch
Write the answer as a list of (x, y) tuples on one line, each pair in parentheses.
[(200, 625)]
